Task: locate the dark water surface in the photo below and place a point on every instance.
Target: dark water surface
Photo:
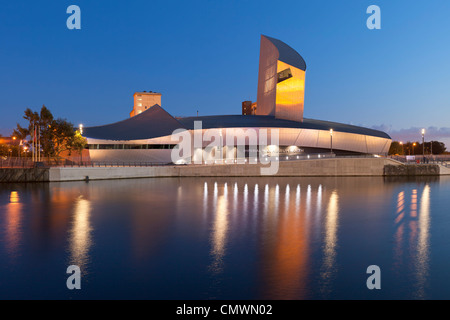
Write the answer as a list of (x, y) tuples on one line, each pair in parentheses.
[(226, 238)]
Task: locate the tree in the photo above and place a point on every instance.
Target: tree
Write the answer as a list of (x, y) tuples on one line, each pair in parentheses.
[(4, 151), (40, 122), (61, 136), (8, 147), (396, 148), (54, 135), (438, 147), (79, 143), (417, 148)]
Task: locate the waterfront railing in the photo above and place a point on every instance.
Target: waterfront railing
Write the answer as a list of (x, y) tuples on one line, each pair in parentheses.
[(28, 163)]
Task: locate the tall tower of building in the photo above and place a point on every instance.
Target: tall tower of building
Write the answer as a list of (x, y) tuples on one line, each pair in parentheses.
[(281, 81), (144, 100)]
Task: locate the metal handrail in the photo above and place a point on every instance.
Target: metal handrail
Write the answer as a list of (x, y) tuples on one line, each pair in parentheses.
[(28, 163)]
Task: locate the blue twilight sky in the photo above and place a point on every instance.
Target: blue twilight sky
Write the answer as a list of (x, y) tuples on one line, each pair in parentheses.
[(203, 55)]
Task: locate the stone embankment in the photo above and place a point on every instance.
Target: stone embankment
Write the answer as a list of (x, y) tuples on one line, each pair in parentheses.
[(335, 167)]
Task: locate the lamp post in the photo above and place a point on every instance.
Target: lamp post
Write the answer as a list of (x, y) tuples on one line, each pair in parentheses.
[(331, 141), (423, 142), (414, 144), (403, 152), (14, 139), (81, 152)]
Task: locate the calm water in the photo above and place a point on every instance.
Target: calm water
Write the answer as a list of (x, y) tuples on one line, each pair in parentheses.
[(231, 238)]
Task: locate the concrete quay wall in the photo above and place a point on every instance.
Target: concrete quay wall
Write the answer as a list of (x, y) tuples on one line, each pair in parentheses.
[(24, 175), (412, 170), (335, 167), (301, 168)]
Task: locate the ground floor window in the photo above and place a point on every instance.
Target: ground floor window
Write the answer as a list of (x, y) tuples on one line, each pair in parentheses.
[(129, 146)]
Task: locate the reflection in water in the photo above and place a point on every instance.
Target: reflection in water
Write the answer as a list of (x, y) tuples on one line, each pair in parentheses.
[(13, 224), (216, 192), (319, 198), (400, 207), (423, 243), (219, 234), (205, 200), (266, 200), (319, 205), (286, 197), (80, 234), (277, 198), (235, 196), (415, 226), (255, 207), (14, 197), (399, 225), (291, 255), (414, 204), (308, 200), (255, 199), (242, 238), (245, 198), (413, 222), (331, 228), (286, 254)]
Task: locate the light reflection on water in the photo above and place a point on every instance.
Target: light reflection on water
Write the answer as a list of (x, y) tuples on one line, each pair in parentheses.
[(271, 238), (412, 221), (423, 250), (13, 225), (219, 236), (80, 234), (331, 241)]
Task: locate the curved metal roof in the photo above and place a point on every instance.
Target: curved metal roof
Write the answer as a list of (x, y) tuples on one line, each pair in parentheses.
[(152, 123), (156, 122), (287, 54), (238, 121)]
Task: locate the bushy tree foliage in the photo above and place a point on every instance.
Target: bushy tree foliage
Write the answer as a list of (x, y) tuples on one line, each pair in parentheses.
[(55, 135), (416, 148)]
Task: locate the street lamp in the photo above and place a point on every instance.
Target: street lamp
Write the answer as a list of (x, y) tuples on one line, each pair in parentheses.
[(401, 143), (81, 153), (12, 144), (331, 141), (414, 144), (423, 142)]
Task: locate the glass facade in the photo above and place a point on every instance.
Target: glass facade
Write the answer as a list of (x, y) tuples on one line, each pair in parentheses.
[(129, 146)]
